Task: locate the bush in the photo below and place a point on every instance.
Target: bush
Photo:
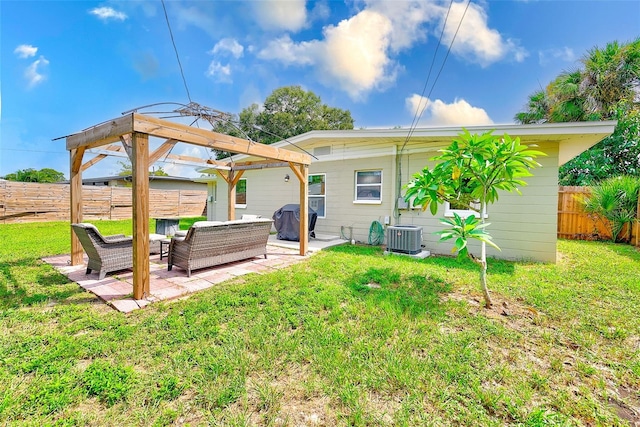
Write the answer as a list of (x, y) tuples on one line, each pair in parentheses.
[(616, 200)]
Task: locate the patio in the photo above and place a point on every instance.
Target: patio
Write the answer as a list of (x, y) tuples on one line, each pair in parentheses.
[(117, 288)]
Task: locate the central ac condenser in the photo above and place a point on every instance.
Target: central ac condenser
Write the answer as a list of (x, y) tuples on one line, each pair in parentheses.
[(404, 239)]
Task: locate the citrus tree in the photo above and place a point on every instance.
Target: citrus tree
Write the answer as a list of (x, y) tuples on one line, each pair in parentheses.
[(469, 174)]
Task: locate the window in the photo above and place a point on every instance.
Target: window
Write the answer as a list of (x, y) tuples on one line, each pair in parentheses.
[(451, 208), (241, 193), (369, 186), (318, 194)]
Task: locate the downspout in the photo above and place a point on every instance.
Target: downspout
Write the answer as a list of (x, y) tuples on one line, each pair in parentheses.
[(398, 176)]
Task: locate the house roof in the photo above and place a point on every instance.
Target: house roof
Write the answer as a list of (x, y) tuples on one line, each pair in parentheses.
[(573, 138), (128, 178)]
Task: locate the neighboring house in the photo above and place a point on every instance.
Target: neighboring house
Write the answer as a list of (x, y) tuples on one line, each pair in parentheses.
[(356, 178), (155, 182)]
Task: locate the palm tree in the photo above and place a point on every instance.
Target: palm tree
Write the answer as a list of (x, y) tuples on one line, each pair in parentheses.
[(611, 74)]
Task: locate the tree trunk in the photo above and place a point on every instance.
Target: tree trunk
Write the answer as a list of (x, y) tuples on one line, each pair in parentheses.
[(483, 281), (483, 260)]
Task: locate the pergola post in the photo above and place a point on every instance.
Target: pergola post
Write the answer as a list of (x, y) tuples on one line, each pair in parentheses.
[(304, 210), (231, 196), (140, 194), (302, 172), (75, 197)]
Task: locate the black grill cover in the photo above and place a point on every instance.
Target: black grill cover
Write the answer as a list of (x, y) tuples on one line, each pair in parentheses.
[(287, 222)]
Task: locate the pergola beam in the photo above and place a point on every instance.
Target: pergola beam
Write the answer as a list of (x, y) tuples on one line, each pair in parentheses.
[(170, 158), (210, 139), (102, 134), (162, 150)]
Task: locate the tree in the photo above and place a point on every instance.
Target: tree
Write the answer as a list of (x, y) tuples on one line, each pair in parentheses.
[(127, 169), (287, 112), (31, 175), (617, 154), (607, 87), (469, 173)]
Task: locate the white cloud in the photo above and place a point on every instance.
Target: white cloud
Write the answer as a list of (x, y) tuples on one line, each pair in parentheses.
[(355, 53), (34, 73), (228, 45), (358, 54), (407, 18), (439, 113), (565, 54), (288, 52), (219, 73), (25, 51), (107, 13), (352, 55), (475, 41), (286, 15)]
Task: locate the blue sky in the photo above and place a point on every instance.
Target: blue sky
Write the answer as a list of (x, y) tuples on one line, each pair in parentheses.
[(68, 65)]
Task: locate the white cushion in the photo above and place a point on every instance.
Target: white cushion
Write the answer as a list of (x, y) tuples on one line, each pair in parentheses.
[(199, 224)]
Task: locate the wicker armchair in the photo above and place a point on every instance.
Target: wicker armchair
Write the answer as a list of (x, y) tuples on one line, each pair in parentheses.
[(106, 253), (210, 243)]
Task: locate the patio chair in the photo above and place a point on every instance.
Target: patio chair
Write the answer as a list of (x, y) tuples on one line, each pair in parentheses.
[(106, 253)]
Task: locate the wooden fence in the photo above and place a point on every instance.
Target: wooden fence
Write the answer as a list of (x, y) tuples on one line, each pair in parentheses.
[(574, 224), (33, 202)]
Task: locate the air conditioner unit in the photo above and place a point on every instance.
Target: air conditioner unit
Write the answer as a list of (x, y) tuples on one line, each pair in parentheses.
[(404, 239)]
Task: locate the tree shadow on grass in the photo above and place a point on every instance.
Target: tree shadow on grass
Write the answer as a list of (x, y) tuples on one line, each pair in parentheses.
[(27, 281), (413, 294)]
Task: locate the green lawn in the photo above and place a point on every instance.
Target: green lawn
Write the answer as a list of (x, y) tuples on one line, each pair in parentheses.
[(348, 337)]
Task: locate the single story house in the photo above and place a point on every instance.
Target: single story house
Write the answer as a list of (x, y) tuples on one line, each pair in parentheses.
[(357, 176), (155, 182)]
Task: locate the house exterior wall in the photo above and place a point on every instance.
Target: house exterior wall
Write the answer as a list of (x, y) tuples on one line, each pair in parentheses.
[(177, 185), (524, 226)]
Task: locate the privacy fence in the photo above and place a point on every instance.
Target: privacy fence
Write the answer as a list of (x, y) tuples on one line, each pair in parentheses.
[(574, 224), (31, 202)]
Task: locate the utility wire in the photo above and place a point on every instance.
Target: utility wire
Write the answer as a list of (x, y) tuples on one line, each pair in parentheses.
[(419, 111), (176, 50), (418, 115)]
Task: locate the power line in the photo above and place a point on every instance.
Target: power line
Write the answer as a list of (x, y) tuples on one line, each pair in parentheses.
[(418, 115), (419, 111), (33, 151), (176, 50)]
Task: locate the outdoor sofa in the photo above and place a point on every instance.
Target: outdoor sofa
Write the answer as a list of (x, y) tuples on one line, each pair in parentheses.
[(106, 253), (211, 243)]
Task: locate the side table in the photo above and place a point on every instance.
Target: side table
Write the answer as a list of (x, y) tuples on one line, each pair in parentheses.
[(164, 247)]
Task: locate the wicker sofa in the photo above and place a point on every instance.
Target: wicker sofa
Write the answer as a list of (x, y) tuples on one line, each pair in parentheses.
[(106, 253), (210, 243)]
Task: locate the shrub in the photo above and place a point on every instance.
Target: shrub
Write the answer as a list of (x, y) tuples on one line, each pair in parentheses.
[(616, 200)]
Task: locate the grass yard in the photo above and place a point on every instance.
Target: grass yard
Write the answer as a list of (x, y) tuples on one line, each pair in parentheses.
[(348, 337)]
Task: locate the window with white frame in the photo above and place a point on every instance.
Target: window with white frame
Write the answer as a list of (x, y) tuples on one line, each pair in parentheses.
[(463, 210), (368, 186), (241, 193), (318, 194)]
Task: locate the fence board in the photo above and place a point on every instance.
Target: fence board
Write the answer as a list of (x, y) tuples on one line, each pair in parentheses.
[(35, 202)]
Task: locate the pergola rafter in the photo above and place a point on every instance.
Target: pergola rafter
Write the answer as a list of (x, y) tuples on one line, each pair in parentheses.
[(133, 131)]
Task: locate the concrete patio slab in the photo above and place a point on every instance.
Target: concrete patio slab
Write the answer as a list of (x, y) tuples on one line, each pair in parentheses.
[(117, 288)]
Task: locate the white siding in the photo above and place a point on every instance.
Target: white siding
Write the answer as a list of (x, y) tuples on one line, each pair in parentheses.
[(523, 226)]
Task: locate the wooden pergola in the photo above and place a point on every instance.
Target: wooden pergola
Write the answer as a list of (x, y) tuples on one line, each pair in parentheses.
[(133, 131)]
